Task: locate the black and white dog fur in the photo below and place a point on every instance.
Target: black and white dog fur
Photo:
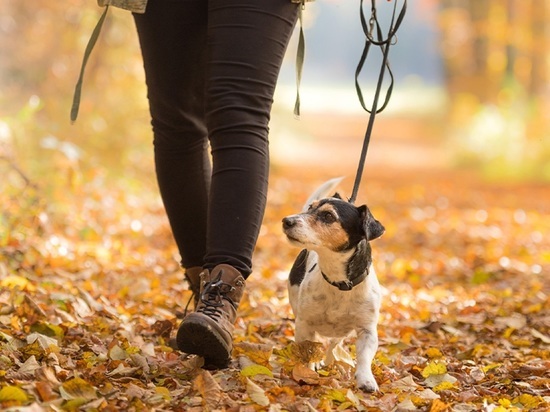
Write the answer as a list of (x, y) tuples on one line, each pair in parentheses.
[(333, 288)]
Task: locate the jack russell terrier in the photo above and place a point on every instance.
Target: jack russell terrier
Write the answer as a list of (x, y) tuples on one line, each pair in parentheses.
[(333, 288)]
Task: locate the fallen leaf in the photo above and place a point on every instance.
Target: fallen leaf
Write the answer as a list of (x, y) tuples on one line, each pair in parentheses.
[(123, 370), (544, 338), (45, 391), (434, 368), (307, 352), (208, 388), (253, 370), (12, 393), (434, 381), (256, 352), (15, 281), (303, 374), (439, 406), (44, 341), (117, 353), (406, 405), (29, 367), (77, 388), (443, 386), (340, 354), (256, 393), (406, 384)]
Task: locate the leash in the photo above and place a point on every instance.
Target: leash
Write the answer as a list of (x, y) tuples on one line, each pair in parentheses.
[(384, 44)]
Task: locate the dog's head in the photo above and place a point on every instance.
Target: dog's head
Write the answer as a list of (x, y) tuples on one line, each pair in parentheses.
[(332, 223)]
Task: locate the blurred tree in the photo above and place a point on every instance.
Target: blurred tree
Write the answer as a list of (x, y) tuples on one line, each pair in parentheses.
[(41, 49), (496, 58)]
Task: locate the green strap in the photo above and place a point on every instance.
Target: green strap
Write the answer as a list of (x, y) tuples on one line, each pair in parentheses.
[(91, 43), (300, 55)]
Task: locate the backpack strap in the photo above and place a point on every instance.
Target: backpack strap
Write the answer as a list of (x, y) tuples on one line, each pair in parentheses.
[(91, 43)]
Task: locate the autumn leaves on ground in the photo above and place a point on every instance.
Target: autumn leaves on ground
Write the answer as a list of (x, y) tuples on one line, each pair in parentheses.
[(91, 294)]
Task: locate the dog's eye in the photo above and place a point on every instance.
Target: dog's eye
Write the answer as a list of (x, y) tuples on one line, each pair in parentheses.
[(328, 217)]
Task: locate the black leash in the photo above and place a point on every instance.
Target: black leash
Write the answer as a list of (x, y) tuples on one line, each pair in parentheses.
[(384, 44)]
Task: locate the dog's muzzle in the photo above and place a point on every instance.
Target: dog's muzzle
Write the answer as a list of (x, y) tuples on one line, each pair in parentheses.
[(289, 222)]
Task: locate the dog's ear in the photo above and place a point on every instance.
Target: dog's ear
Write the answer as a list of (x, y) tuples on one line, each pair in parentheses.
[(373, 228), (337, 196)]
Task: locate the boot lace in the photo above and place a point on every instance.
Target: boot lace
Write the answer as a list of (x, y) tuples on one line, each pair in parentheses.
[(212, 297)]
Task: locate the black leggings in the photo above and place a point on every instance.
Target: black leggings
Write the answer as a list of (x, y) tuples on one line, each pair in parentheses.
[(211, 67)]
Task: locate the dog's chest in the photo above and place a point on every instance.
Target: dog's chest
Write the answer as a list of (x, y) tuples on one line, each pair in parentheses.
[(332, 312)]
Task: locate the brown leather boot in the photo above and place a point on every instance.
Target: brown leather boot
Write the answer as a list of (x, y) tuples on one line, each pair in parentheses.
[(193, 278), (208, 332)]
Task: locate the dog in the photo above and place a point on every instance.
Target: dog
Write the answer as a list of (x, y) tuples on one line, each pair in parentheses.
[(333, 288)]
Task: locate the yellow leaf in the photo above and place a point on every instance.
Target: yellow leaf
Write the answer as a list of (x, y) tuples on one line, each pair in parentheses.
[(491, 366), (12, 393), (434, 368), (253, 370), (443, 386), (77, 388), (433, 353), (505, 402), (522, 342), (439, 406), (164, 392), (256, 393), (528, 401), (19, 282), (508, 332), (336, 395)]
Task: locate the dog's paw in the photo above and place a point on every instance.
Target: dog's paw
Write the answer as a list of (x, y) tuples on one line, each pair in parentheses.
[(366, 383), (316, 366)]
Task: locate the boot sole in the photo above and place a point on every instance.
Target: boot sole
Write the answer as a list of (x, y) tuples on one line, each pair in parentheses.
[(200, 339)]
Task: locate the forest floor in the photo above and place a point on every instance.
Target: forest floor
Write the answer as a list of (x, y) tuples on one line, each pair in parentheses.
[(90, 291)]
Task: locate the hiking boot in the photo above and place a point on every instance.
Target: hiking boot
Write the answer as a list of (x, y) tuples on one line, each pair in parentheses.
[(208, 332), (192, 275)]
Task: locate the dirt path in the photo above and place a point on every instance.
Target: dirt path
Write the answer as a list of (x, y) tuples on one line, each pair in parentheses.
[(335, 142)]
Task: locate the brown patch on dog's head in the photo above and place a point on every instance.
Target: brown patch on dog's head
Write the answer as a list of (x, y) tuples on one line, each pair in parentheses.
[(323, 218)]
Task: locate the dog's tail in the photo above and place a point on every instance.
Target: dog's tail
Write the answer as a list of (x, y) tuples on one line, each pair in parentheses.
[(323, 191)]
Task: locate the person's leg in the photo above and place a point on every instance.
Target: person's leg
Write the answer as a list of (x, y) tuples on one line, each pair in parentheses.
[(247, 40), (172, 36)]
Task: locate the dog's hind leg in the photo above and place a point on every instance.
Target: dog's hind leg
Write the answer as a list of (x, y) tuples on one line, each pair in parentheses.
[(367, 344)]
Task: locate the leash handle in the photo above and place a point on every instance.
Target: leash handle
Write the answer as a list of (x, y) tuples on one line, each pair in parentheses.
[(384, 44)]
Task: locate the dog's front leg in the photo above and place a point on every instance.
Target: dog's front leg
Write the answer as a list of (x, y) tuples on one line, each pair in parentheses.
[(366, 345)]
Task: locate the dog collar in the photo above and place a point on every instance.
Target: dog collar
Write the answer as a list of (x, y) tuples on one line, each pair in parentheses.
[(347, 284)]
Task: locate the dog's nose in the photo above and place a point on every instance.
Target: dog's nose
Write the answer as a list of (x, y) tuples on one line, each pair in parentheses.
[(288, 222)]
